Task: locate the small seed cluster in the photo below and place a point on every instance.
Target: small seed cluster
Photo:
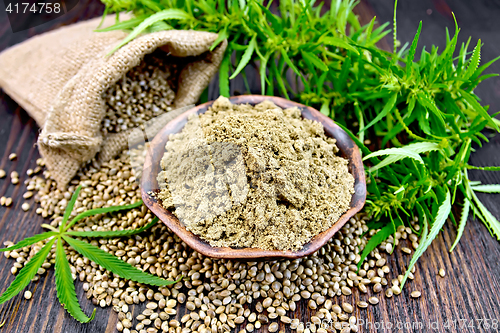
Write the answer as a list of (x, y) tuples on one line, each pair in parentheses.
[(218, 295), (110, 185), (146, 91), (14, 179)]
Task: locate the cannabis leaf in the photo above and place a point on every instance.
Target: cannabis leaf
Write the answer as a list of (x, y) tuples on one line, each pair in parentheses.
[(65, 287), (98, 211), (486, 188), (462, 223), (375, 240), (426, 239), (168, 14), (246, 57), (411, 54), (27, 273), (114, 233), (64, 281)]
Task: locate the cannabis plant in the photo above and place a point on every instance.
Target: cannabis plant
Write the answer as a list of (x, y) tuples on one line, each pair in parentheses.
[(64, 281)]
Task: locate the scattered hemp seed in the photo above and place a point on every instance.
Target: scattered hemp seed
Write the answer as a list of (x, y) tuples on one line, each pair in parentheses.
[(2, 173), (362, 304), (27, 294), (14, 181), (286, 182), (442, 272), (25, 206), (396, 290), (373, 300), (8, 202), (12, 156), (416, 294), (348, 308), (406, 250), (3, 200)]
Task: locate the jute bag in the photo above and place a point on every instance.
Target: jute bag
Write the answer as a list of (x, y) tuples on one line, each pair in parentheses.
[(59, 77)]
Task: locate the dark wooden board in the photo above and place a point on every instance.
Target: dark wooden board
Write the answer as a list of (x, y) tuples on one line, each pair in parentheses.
[(469, 293)]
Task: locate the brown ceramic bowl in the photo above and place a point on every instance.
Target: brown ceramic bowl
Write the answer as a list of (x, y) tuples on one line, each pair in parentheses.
[(157, 148)]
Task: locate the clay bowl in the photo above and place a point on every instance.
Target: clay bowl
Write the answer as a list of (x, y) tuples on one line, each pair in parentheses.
[(152, 167)]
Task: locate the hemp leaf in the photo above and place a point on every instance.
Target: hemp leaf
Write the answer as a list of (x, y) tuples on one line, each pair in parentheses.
[(64, 282)]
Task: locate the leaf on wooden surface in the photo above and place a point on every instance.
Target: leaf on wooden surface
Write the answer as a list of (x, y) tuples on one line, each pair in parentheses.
[(30, 241), (65, 287), (487, 188), (113, 233), (103, 210), (441, 216), (375, 240), (491, 221), (69, 208), (113, 264), (462, 223), (27, 273)]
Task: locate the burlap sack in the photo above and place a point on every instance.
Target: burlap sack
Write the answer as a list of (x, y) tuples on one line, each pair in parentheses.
[(59, 78)]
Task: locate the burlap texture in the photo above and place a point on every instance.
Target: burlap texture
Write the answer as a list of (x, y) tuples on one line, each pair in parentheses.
[(59, 77)]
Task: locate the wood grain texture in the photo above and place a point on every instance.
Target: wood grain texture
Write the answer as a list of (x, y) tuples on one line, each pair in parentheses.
[(468, 292)]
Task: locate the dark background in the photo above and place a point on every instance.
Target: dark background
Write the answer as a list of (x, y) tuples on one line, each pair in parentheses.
[(470, 290)]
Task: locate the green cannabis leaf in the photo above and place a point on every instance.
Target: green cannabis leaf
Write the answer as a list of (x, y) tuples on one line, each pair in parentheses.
[(168, 14), (64, 281), (27, 273), (418, 110), (426, 239), (65, 287)]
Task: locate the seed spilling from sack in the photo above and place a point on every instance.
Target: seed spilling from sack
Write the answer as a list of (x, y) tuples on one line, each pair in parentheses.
[(144, 92)]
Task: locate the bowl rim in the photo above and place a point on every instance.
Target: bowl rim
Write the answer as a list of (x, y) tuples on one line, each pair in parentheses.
[(157, 148)]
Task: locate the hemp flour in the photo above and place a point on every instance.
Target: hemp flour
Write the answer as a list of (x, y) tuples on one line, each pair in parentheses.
[(254, 176)]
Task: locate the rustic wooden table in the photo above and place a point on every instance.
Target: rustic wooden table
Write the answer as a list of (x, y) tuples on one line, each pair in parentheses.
[(469, 293)]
